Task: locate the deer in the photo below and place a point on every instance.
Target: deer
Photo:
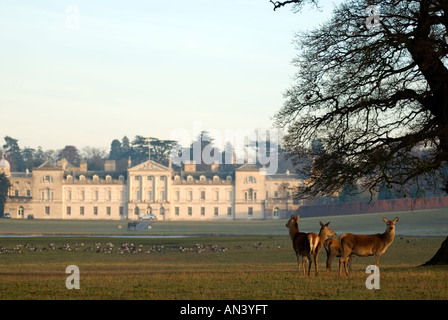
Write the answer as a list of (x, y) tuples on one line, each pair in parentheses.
[(304, 244), (334, 249), (366, 245), (324, 232)]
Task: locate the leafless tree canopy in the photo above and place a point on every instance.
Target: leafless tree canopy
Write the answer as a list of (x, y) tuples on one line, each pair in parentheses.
[(372, 98)]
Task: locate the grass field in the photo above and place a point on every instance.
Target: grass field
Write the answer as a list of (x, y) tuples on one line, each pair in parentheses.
[(245, 260)]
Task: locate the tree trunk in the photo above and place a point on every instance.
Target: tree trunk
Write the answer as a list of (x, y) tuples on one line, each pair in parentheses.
[(441, 256)]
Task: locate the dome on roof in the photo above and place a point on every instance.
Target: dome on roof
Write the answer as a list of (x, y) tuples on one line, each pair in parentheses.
[(4, 163)]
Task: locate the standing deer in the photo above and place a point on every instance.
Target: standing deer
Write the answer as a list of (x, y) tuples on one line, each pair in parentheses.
[(304, 244), (334, 249), (366, 245)]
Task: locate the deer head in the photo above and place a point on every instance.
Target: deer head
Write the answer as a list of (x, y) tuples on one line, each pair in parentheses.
[(326, 230), (390, 224)]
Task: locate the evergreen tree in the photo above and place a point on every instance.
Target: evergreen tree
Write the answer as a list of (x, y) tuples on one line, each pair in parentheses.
[(4, 188)]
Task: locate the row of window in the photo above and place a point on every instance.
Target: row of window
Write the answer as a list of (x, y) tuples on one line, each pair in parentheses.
[(202, 178), (95, 195), (202, 195), (250, 211), (68, 210), (82, 212)]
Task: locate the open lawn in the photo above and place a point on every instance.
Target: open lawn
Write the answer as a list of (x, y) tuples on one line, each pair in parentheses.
[(248, 260)]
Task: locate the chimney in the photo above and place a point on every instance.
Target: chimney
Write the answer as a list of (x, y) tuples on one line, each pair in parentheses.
[(190, 166), (83, 166), (109, 165), (215, 166)]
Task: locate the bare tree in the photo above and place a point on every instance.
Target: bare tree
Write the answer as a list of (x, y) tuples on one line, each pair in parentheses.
[(372, 87)]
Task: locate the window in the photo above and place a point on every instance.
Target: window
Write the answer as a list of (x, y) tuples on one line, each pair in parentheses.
[(150, 195), (216, 196), (69, 195), (162, 211), (190, 211), (216, 211), (202, 195), (28, 193), (229, 211), (276, 212), (109, 195), (69, 211), (81, 211), (176, 211), (202, 179), (163, 195), (108, 178), (190, 195), (96, 178), (250, 211), (83, 195), (202, 211), (177, 195), (121, 211), (137, 178), (47, 210), (108, 211), (96, 194), (137, 211), (250, 179), (95, 211), (229, 178), (16, 193), (190, 178)]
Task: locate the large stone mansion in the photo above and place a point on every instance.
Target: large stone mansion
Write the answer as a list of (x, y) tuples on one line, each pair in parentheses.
[(62, 191)]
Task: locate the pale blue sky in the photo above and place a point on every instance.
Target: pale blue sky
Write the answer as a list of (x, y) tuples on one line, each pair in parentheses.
[(142, 68)]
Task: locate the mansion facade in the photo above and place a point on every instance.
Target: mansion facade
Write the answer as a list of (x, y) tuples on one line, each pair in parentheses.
[(62, 191)]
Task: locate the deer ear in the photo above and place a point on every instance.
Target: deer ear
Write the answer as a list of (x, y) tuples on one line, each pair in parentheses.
[(328, 223), (396, 219), (320, 222), (384, 219)]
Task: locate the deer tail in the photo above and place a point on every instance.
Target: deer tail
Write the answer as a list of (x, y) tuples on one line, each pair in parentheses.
[(314, 241)]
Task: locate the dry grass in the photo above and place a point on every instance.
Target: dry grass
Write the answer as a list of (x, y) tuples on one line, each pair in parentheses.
[(244, 271)]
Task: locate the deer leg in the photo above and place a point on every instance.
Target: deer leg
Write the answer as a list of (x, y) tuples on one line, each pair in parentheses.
[(315, 263), (377, 259), (298, 260), (309, 264), (304, 261), (330, 258)]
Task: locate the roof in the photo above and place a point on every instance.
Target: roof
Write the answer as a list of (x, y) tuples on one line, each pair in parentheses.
[(248, 167), (149, 166), (47, 165)]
